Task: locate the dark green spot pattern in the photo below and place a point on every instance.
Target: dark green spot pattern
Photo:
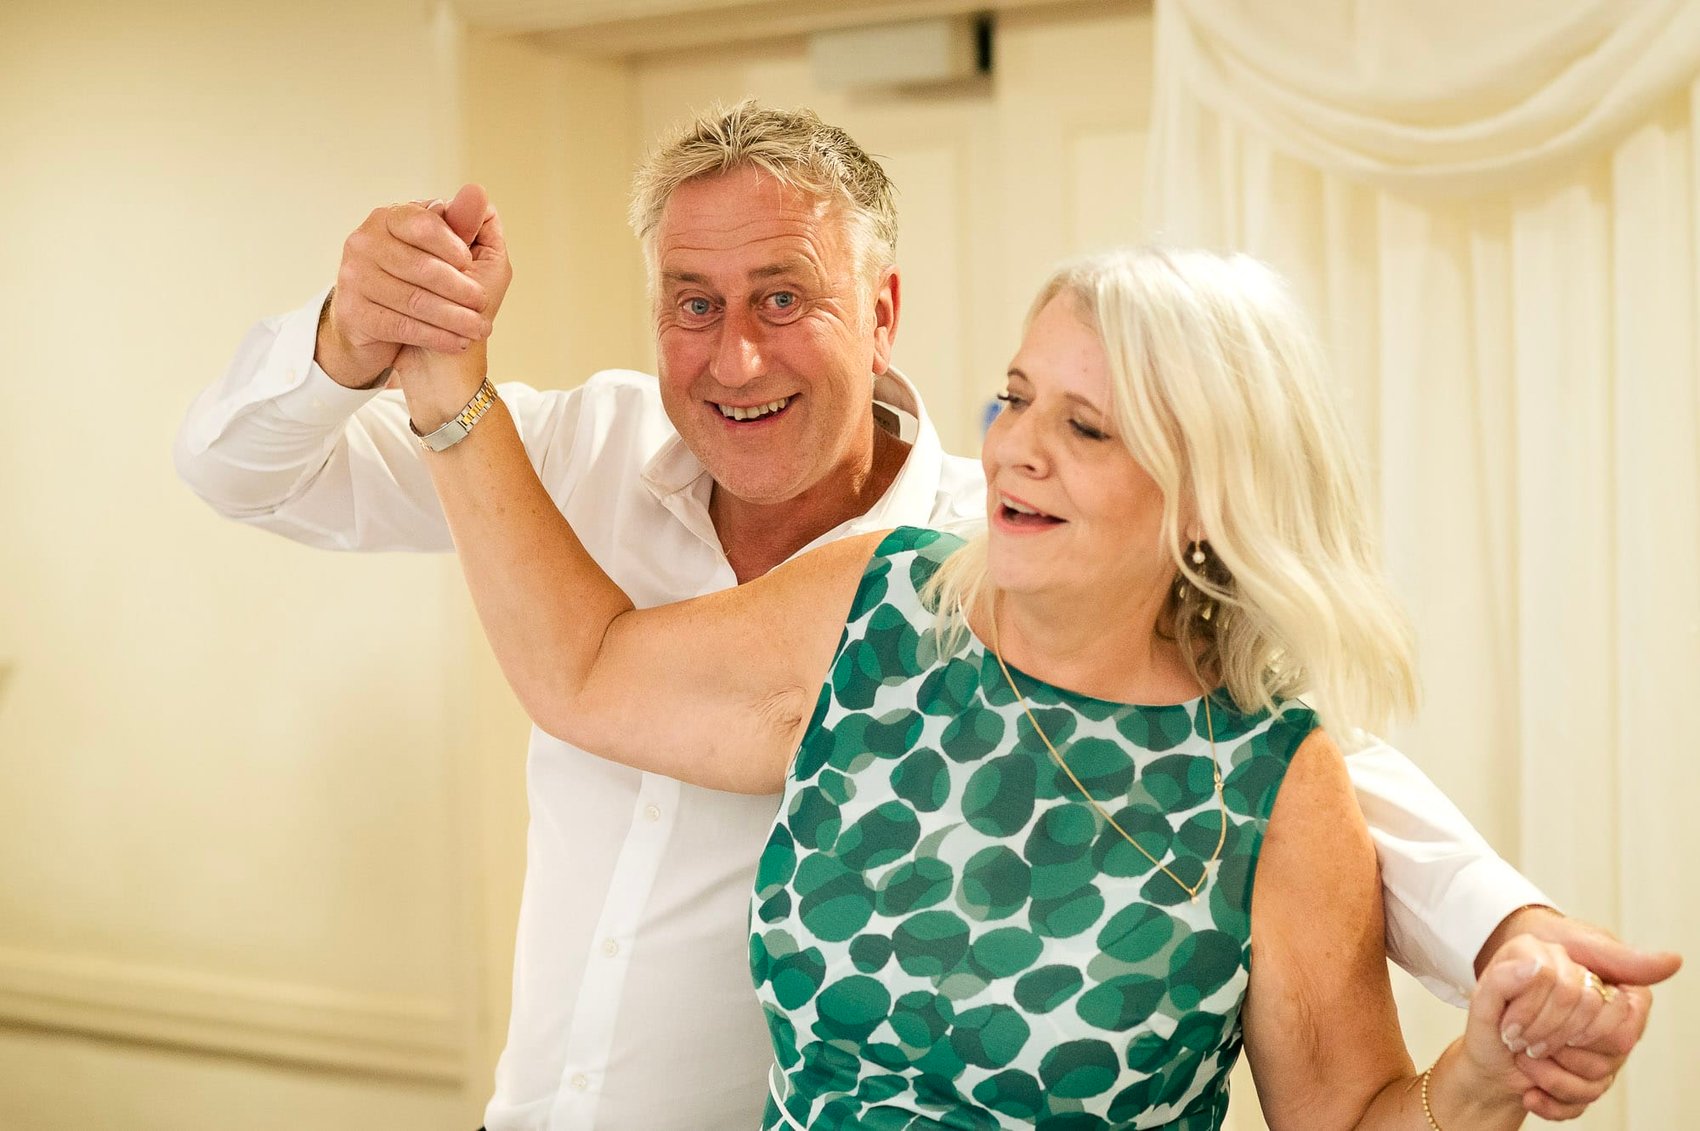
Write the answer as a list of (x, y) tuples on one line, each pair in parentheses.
[(946, 937)]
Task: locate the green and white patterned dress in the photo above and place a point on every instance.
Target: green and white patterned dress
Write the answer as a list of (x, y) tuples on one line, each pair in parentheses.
[(945, 935)]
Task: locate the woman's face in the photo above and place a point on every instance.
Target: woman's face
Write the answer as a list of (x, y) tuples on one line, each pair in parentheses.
[(1067, 508)]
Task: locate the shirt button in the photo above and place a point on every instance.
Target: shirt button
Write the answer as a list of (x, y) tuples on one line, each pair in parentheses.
[(652, 812), (610, 947), (580, 1082)]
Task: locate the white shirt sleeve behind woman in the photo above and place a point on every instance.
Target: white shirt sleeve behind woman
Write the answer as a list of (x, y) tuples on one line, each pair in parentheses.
[(1446, 888)]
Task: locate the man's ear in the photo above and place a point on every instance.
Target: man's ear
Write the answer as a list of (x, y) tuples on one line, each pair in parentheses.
[(888, 300)]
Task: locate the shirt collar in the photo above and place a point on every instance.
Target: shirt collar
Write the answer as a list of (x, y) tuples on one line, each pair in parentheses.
[(679, 481)]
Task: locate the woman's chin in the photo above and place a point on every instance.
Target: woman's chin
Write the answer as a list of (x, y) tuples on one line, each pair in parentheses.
[(1020, 577)]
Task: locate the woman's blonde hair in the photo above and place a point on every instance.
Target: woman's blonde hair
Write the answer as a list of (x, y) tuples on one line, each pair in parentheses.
[(1219, 395)]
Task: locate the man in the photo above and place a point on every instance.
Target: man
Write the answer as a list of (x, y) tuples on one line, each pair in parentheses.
[(777, 423)]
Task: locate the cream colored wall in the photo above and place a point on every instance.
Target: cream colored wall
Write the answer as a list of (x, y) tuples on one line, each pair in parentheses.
[(229, 814)]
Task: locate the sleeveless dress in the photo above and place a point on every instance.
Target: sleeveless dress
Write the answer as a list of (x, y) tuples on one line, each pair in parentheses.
[(945, 935)]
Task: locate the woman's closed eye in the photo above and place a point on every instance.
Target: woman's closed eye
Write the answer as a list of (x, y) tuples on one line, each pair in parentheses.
[(1013, 402)]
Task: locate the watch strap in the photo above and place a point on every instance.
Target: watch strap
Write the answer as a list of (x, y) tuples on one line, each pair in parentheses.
[(457, 427)]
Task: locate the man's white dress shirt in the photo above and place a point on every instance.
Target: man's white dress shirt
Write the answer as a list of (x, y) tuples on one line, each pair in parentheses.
[(632, 1004)]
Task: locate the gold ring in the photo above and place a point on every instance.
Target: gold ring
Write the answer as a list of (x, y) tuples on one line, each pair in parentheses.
[(1590, 982)]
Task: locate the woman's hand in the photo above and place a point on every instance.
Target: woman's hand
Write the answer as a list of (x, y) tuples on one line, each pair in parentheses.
[(1533, 1005), (438, 385)]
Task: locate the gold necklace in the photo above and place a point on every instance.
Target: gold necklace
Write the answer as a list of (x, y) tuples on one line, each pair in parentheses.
[(1192, 890)]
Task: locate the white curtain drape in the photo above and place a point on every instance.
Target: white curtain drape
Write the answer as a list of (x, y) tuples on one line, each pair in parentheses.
[(1492, 210)]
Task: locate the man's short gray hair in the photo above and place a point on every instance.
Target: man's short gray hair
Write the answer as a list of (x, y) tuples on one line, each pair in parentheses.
[(794, 147)]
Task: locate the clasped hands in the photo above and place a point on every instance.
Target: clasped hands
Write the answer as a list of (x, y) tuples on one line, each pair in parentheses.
[(417, 293), (1559, 1006)]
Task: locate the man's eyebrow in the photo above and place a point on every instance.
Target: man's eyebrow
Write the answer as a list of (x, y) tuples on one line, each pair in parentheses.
[(795, 265)]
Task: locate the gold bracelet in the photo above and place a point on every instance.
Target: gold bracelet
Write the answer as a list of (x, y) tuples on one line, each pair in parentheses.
[(1433, 1123)]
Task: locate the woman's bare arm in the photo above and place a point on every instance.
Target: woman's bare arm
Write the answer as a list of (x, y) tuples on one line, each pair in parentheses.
[(1321, 1031), (715, 691)]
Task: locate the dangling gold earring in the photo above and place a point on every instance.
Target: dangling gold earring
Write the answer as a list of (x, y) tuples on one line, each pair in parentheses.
[(1198, 556)]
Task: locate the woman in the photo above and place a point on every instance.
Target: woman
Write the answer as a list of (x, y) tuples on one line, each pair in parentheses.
[(1029, 782)]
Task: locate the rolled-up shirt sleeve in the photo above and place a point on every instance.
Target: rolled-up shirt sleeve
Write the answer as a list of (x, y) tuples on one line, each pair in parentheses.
[(1446, 888)]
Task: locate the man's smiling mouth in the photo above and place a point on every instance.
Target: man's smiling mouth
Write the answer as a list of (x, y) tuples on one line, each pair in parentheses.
[(752, 412)]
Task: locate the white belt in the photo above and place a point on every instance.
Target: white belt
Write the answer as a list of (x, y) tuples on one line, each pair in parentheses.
[(773, 1090)]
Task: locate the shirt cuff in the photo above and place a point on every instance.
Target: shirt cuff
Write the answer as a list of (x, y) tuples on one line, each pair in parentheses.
[(317, 399), (304, 392), (1480, 895), (273, 371)]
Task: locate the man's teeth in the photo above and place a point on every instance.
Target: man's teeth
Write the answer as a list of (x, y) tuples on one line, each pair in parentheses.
[(733, 412)]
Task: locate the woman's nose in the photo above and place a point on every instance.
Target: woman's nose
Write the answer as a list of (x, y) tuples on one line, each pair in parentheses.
[(1015, 440)]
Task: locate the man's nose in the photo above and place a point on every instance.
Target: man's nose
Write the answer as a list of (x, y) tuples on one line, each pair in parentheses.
[(739, 357)]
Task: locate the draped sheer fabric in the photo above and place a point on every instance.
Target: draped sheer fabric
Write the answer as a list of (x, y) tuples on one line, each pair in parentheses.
[(1492, 211)]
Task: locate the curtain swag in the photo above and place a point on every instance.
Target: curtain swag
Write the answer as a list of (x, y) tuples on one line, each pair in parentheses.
[(1448, 97)]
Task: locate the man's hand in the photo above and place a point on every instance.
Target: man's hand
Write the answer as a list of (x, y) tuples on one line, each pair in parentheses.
[(407, 278), (1563, 1076)]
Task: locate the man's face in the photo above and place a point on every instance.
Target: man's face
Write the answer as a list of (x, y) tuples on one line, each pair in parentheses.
[(768, 340)]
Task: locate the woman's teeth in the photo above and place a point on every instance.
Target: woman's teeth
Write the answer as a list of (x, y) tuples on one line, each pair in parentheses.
[(1021, 513)]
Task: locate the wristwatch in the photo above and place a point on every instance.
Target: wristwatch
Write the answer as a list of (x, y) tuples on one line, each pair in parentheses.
[(456, 428)]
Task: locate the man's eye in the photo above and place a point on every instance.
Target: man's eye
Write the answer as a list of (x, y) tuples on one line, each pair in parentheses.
[(698, 307), (783, 301)]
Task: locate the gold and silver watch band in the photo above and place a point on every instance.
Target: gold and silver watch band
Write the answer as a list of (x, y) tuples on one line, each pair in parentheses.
[(455, 429)]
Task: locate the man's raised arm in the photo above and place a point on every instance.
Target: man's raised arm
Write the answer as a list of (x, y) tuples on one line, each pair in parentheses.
[(297, 438)]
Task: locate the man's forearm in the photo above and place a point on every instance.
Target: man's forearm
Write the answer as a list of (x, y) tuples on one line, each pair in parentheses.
[(275, 443), (1446, 889)]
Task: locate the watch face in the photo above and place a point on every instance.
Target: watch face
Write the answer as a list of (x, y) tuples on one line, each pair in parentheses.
[(447, 436)]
